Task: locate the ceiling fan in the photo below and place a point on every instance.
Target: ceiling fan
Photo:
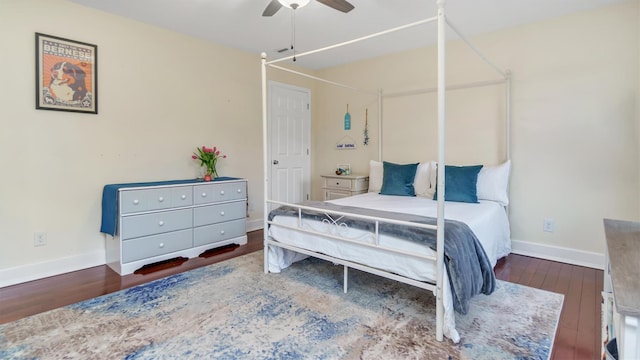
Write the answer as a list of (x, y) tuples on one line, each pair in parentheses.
[(275, 5)]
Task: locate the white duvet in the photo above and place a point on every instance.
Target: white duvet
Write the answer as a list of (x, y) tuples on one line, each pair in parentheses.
[(487, 219)]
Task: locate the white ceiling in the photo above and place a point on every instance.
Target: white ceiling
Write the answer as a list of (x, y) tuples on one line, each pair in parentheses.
[(239, 23)]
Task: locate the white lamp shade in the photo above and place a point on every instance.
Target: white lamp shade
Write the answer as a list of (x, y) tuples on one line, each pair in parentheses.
[(289, 3)]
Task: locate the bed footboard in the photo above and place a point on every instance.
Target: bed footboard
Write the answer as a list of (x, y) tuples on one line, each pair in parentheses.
[(337, 223)]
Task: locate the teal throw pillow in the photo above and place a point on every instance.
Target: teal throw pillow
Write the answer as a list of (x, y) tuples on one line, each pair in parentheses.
[(398, 179), (460, 183)]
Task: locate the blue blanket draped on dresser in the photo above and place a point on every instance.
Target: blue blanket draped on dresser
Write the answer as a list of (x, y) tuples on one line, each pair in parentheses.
[(110, 199), (470, 271)]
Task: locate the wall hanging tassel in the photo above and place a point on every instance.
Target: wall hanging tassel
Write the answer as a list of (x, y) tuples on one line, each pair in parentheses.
[(366, 127)]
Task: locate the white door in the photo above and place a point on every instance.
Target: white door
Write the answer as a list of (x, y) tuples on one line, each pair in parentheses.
[(289, 134)]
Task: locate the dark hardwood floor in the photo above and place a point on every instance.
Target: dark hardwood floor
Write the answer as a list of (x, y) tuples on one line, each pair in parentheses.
[(578, 335), (579, 330)]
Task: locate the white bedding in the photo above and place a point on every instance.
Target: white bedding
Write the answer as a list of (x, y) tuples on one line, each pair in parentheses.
[(487, 219)]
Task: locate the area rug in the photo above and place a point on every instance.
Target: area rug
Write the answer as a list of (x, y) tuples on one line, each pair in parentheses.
[(232, 310)]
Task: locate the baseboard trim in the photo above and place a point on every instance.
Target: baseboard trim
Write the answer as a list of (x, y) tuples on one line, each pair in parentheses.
[(253, 225), (557, 253), (22, 274), (26, 273)]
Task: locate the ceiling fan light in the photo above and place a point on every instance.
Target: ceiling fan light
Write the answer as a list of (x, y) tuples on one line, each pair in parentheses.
[(291, 4)]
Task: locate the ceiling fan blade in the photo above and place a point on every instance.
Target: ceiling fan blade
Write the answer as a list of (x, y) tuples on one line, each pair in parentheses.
[(272, 8), (340, 5)]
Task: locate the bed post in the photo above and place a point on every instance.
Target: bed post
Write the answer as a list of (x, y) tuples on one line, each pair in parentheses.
[(441, 166), (265, 158), (508, 113), (380, 125), (507, 134)]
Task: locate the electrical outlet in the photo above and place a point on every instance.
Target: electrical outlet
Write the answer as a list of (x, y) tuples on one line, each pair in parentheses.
[(548, 225), (39, 239)]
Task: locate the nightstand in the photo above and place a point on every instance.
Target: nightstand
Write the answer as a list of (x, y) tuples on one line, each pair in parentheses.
[(339, 186)]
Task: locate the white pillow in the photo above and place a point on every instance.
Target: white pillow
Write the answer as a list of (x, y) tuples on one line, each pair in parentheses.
[(433, 179), (376, 173), (422, 181), (493, 183)]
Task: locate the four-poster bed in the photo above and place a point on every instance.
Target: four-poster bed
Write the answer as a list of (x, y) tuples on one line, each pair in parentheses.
[(368, 238)]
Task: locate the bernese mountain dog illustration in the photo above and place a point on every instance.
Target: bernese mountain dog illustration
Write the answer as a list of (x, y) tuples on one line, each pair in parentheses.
[(67, 82)]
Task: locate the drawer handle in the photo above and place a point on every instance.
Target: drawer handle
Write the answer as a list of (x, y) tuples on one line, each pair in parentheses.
[(183, 197), (239, 191), (221, 232), (204, 194), (160, 199), (337, 183), (161, 245), (136, 202), (160, 222), (221, 213), (221, 192)]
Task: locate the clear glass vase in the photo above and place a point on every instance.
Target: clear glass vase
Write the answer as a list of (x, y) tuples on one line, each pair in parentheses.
[(210, 174)]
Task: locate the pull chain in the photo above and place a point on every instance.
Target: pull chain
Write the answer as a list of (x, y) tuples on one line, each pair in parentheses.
[(293, 29)]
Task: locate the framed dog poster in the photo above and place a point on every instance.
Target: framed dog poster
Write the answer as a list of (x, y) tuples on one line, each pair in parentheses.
[(66, 75)]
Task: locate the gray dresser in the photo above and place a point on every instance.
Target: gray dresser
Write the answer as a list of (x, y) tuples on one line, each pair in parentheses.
[(160, 222)]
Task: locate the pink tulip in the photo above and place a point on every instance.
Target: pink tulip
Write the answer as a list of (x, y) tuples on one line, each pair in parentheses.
[(208, 155)]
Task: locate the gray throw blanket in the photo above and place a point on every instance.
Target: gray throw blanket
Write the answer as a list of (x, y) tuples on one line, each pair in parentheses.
[(469, 269)]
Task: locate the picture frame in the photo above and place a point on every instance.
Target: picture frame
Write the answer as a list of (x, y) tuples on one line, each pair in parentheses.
[(66, 75), (343, 169)]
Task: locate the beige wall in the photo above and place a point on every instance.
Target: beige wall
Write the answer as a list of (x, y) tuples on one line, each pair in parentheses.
[(161, 94), (574, 138)]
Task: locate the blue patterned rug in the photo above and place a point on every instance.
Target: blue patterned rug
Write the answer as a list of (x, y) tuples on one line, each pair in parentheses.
[(232, 310)]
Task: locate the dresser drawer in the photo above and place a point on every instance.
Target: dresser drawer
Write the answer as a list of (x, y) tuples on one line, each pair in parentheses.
[(181, 196), (337, 183), (335, 194), (210, 193), (156, 223), (210, 234), (212, 214), (155, 199), (149, 246)]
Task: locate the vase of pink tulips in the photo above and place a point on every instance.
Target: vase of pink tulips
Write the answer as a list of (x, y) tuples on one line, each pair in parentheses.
[(208, 157)]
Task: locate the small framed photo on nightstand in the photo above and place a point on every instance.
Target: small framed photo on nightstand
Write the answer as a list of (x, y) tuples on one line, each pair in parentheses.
[(343, 169)]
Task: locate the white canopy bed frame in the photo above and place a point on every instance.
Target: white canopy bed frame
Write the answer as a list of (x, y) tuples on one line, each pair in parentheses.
[(441, 88)]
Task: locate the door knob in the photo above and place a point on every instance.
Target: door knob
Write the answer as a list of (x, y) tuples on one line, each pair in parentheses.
[(275, 162)]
